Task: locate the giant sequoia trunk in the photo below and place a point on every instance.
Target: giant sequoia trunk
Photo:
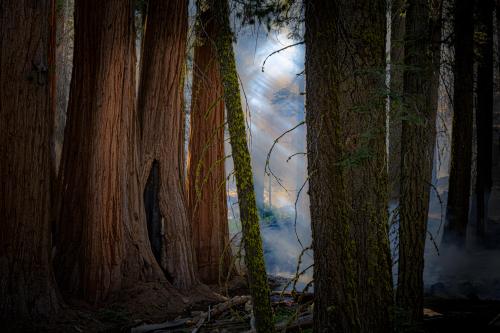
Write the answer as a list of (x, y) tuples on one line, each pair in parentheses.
[(26, 282), (457, 213), (102, 244), (345, 116), (421, 82), (64, 46), (484, 111), (252, 242), (206, 173), (161, 112)]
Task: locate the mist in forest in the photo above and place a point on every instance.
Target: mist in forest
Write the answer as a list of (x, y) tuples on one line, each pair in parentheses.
[(274, 101), (275, 104), (472, 271)]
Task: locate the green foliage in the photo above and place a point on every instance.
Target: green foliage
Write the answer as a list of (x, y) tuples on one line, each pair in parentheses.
[(273, 13), (271, 215)]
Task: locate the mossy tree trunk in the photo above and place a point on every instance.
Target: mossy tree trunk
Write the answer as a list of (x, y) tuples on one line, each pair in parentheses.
[(251, 238), (484, 111), (27, 287), (162, 117), (420, 96), (457, 214), (206, 186), (348, 188), (102, 241)]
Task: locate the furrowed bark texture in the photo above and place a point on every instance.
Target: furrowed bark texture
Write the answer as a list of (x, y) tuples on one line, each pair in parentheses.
[(27, 287), (102, 244), (162, 117), (206, 186), (251, 238), (64, 50), (421, 82), (345, 117), (396, 85), (457, 213), (484, 110)]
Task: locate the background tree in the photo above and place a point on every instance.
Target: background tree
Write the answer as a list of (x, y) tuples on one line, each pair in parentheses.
[(161, 112), (206, 172), (420, 99), (252, 242), (102, 242), (345, 117), (457, 213), (484, 109), (27, 285)]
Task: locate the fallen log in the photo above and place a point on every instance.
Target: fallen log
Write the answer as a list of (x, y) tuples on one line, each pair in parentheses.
[(217, 310), (300, 297), (146, 328)]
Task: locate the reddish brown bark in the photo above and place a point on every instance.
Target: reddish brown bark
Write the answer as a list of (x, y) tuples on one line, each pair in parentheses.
[(26, 280), (161, 112), (206, 173), (102, 243), (63, 57)]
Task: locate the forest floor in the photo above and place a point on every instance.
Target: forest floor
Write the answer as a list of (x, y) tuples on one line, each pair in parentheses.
[(152, 309), (462, 315)]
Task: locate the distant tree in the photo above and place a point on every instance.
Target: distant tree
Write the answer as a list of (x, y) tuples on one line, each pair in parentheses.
[(102, 241), (160, 104), (206, 186), (484, 109), (251, 238), (27, 287), (420, 99), (348, 187), (457, 213)]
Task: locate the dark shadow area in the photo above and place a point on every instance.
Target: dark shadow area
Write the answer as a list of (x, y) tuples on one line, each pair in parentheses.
[(152, 206)]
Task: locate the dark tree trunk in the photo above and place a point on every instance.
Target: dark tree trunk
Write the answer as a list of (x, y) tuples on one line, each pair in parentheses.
[(457, 213), (484, 111), (346, 118), (251, 238), (396, 93), (421, 83), (102, 245), (206, 186), (27, 287), (162, 117), (497, 16)]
